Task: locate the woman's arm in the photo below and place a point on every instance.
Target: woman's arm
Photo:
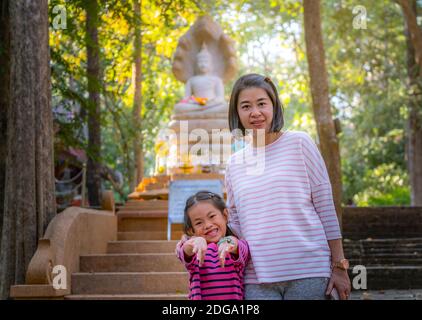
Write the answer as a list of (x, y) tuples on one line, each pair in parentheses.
[(339, 278), (322, 199), (321, 192), (234, 223)]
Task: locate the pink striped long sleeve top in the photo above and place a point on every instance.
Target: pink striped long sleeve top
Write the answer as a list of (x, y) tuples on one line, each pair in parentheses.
[(210, 281), (286, 212)]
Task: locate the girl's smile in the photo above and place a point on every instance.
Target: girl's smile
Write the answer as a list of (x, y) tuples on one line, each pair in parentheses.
[(208, 222)]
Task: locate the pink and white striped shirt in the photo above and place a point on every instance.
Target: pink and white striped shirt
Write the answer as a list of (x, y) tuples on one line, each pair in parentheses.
[(210, 281), (285, 213)]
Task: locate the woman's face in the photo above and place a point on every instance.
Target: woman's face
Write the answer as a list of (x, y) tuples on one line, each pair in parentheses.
[(255, 109), (208, 221)]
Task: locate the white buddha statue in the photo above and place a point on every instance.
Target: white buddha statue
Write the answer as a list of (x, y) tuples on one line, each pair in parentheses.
[(204, 92)]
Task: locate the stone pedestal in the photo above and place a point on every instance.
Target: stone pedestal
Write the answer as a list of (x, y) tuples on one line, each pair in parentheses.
[(203, 144)]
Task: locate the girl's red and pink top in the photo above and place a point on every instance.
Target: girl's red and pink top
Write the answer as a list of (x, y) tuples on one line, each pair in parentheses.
[(210, 281), (280, 201)]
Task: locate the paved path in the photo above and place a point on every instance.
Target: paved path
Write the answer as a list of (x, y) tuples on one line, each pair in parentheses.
[(415, 294)]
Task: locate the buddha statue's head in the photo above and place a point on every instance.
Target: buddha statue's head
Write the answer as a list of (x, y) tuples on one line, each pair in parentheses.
[(204, 60)]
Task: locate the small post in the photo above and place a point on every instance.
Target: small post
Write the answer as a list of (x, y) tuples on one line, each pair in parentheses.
[(168, 228), (84, 184)]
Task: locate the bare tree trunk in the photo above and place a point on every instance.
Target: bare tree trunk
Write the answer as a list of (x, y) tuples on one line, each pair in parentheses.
[(4, 97), (413, 29), (414, 139), (29, 202), (137, 102), (329, 143), (94, 106)]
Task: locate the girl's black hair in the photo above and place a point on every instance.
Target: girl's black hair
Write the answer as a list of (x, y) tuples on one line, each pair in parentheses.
[(215, 199), (254, 80)]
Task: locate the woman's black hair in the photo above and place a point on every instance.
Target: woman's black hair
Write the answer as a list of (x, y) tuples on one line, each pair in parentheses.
[(254, 80), (215, 199)]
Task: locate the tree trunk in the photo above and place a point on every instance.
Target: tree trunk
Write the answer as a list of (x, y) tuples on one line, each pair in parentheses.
[(94, 106), (414, 135), (329, 143), (29, 202), (415, 33), (137, 102), (4, 97)]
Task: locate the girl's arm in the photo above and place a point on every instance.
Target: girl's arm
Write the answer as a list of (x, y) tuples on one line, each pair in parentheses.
[(239, 249), (187, 250)]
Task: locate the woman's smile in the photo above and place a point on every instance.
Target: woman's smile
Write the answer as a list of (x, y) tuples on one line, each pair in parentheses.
[(258, 124)]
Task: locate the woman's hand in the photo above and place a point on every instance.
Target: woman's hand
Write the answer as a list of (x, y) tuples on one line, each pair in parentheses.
[(225, 248), (196, 245), (339, 280)]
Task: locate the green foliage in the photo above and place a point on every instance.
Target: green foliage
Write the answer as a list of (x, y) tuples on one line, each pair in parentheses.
[(385, 185), (366, 68)]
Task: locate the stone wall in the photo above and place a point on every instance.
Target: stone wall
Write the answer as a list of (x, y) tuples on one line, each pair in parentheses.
[(382, 222)]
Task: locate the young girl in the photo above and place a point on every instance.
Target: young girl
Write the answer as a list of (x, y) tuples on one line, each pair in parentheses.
[(214, 258)]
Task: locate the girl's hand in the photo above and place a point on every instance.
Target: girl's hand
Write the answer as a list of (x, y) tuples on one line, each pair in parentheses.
[(196, 245), (225, 248), (339, 280)]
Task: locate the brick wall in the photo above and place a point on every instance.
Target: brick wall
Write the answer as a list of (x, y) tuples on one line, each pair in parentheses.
[(382, 222)]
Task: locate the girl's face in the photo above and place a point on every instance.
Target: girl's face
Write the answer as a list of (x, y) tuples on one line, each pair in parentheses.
[(208, 222), (255, 109)]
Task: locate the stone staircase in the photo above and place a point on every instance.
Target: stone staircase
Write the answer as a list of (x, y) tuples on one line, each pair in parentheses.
[(390, 263), (141, 264)]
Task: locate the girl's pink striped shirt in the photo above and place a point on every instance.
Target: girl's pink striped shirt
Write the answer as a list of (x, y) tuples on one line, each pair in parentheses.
[(280, 201), (210, 281)]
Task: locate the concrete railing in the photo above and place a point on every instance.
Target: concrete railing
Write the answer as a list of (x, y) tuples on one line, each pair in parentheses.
[(74, 232)]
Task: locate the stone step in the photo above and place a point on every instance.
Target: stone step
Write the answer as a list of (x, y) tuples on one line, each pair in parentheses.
[(393, 250), (143, 235), (148, 235), (383, 242), (392, 254), (146, 246), (415, 248), (127, 297), (134, 262), (385, 248), (141, 213), (384, 261), (123, 283), (145, 220), (386, 256), (392, 277), (137, 202), (139, 224)]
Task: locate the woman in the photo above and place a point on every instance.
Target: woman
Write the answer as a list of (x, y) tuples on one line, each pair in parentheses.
[(285, 211)]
